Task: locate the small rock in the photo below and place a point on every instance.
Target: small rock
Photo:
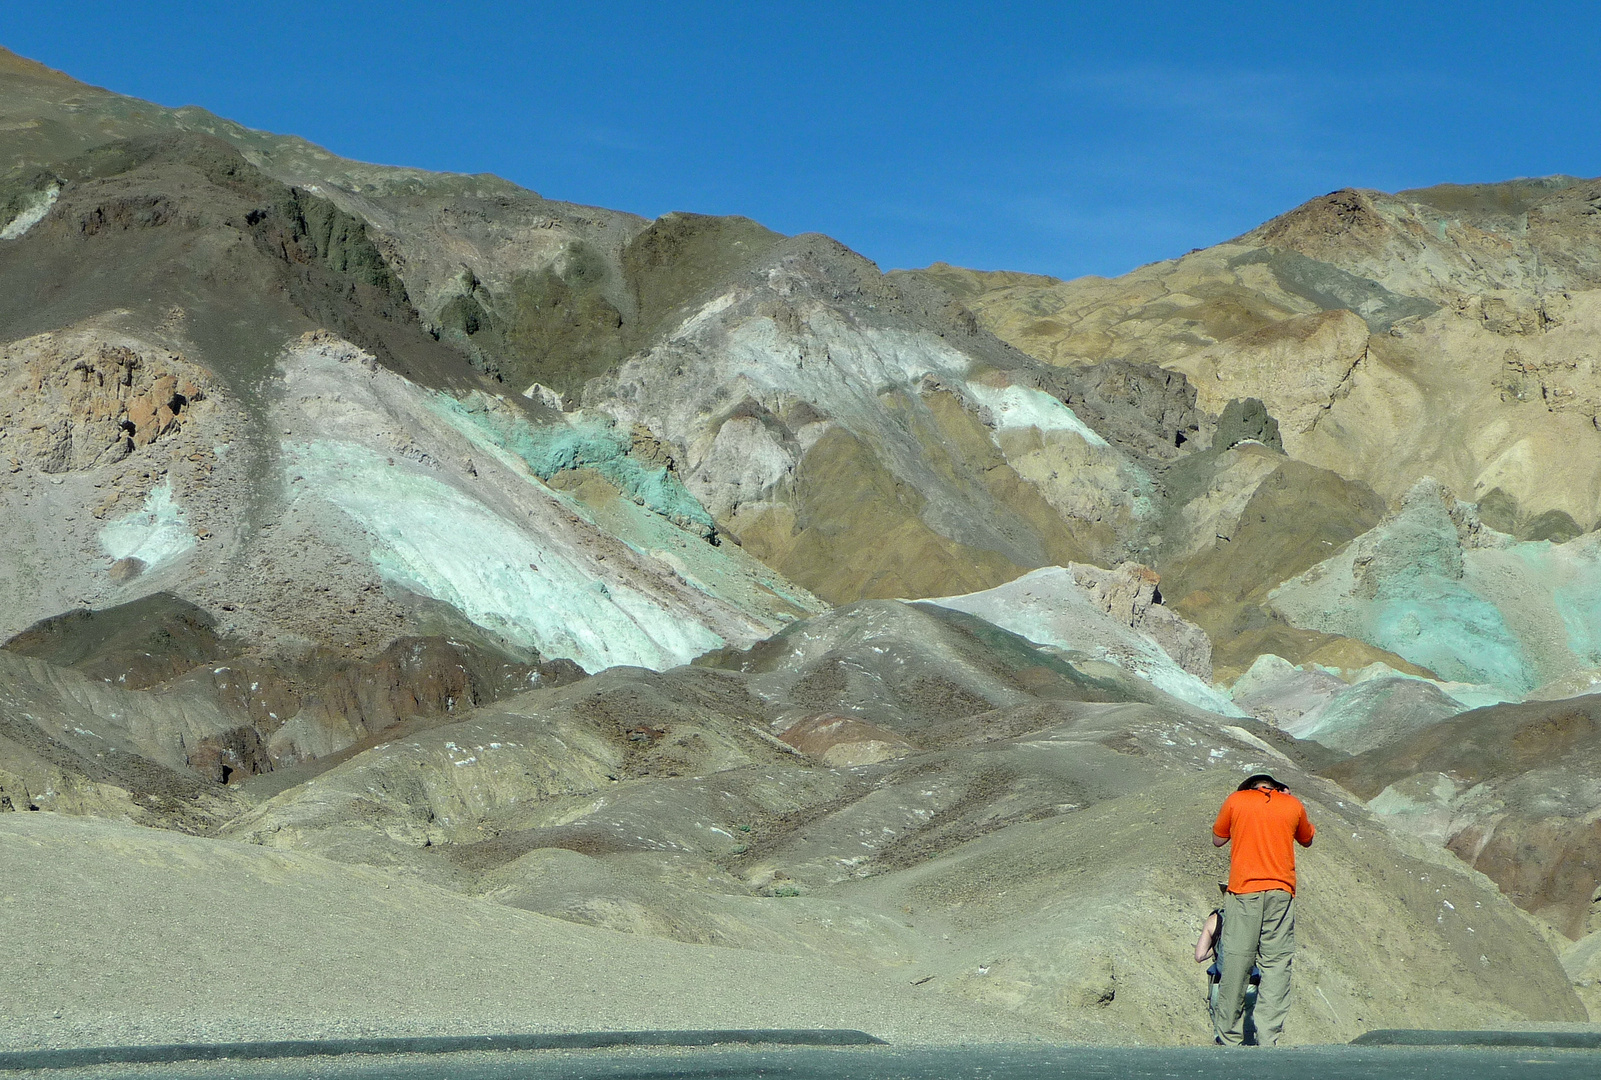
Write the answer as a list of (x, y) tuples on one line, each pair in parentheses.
[(125, 569)]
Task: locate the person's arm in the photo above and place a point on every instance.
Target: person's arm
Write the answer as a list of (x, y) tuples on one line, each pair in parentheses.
[(1304, 832), (1223, 826), (1206, 947)]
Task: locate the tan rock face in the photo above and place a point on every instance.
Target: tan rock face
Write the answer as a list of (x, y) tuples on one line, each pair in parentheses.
[(1529, 237), (1129, 594), (1297, 368), (1445, 396), (74, 401), (1155, 314)]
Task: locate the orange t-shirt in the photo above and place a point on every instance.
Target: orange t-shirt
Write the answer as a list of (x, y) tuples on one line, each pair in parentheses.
[(1260, 826)]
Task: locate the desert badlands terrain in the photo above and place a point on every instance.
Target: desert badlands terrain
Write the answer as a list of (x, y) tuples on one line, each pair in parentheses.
[(428, 607)]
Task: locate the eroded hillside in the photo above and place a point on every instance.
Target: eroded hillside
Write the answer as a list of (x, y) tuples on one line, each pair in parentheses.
[(678, 589)]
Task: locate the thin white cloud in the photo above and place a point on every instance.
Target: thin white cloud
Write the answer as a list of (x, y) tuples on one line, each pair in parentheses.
[(612, 138), (1216, 98)]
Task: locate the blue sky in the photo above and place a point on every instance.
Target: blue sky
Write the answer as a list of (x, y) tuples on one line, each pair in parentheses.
[(1056, 138)]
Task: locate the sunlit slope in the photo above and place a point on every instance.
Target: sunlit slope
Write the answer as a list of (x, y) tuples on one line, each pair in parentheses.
[(378, 508), (862, 438), (866, 440), (168, 431), (1438, 332), (430, 225)]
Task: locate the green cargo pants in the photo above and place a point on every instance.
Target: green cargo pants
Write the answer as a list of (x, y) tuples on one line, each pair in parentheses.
[(1258, 928)]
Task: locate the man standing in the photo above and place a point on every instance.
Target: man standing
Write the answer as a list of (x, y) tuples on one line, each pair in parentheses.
[(1261, 818)]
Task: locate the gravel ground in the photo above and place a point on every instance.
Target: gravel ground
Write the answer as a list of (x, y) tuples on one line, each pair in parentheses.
[(112, 934)]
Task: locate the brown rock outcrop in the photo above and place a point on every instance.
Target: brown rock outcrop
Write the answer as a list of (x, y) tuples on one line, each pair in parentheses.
[(74, 401), (264, 711), (308, 707), (842, 741), (1511, 789)]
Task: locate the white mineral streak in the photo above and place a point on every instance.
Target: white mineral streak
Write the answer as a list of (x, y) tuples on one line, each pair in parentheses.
[(153, 534), (1018, 407), (31, 214)]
